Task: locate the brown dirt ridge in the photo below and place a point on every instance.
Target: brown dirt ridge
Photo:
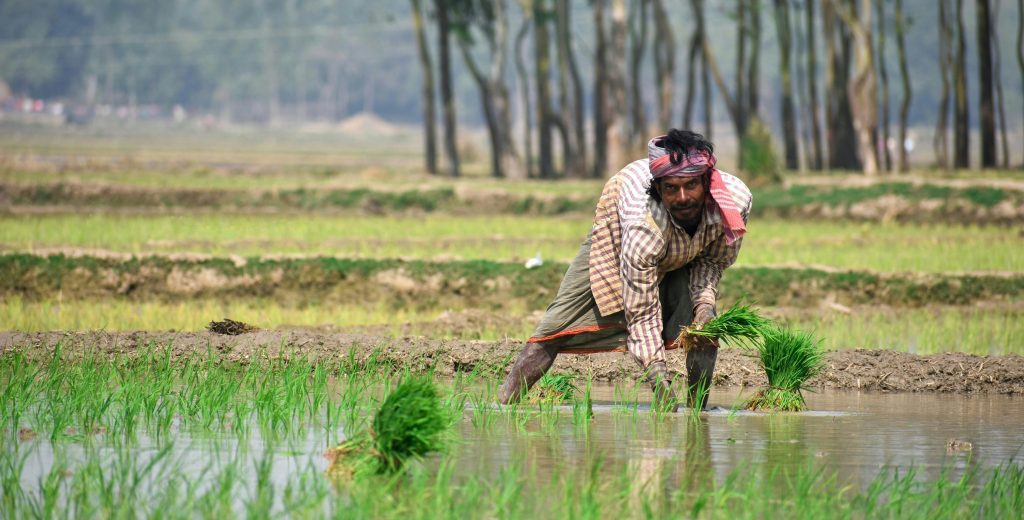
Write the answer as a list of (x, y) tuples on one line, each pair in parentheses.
[(869, 370)]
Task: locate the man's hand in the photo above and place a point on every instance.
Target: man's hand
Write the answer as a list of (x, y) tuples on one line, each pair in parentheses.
[(702, 314)]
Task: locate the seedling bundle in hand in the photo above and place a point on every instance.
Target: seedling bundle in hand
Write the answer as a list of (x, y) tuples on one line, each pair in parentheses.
[(789, 357), (740, 325), (410, 423)]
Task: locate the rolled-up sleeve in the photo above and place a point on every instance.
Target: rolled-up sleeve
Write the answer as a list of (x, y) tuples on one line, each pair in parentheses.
[(642, 248), (706, 270)]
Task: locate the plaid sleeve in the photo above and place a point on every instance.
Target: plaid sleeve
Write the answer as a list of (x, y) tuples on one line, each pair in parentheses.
[(642, 247), (706, 270)]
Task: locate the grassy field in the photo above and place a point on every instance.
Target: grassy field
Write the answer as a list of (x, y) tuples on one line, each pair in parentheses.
[(842, 245)]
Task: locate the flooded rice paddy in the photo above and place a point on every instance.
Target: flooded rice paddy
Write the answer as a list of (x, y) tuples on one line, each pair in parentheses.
[(850, 440)]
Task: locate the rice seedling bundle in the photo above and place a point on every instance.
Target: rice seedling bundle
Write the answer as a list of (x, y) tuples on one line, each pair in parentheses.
[(409, 424), (740, 324), (789, 358), (554, 388)]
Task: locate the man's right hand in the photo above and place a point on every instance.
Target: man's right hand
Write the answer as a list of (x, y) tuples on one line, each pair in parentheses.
[(702, 314)]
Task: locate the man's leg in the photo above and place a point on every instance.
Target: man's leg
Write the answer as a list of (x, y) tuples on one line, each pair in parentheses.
[(677, 312), (534, 360)]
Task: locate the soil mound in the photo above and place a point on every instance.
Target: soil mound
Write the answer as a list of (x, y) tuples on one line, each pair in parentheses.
[(873, 370)]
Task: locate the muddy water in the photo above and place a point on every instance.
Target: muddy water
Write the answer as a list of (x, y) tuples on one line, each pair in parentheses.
[(854, 436), (857, 434)]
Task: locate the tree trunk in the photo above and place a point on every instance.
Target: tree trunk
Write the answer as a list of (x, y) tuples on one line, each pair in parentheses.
[(1020, 51), (863, 89), (812, 88), (883, 76), (940, 143), (987, 112), (523, 84), (447, 98), (754, 63), (691, 83), (901, 27), (1004, 144), (961, 135), (600, 93), (637, 41), (707, 94), (783, 31), (570, 98), (617, 84), (494, 95), (839, 130), (742, 31), (664, 64), (542, 61), (427, 92), (579, 112)]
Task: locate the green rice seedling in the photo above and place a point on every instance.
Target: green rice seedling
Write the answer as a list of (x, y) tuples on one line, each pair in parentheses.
[(741, 325), (409, 424), (789, 358), (554, 389)]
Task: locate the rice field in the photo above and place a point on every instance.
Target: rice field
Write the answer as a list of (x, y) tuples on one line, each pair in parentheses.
[(839, 245), (146, 435)]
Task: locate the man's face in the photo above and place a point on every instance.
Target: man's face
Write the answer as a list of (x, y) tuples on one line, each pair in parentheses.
[(683, 197)]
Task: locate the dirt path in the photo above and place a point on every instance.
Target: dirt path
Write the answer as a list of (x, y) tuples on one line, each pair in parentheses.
[(876, 370)]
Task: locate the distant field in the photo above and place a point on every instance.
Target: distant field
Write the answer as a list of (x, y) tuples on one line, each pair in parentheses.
[(842, 245)]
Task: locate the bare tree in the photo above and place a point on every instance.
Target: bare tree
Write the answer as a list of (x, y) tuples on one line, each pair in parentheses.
[(883, 76), (427, 91), (447, 98), (523, 84), (941, 140), (1020, 48), (961, 136), (637, 42), (600, 91), (812, 87), (784, 32), (839, 129), (489, 20), (901, 23), (542, 78), (983, 17), (617, 83), (863, 87), (664, 63), (1004, 143), (571, 95)]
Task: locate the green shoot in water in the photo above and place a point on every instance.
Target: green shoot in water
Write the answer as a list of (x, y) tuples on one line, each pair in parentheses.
[(789, 358), (554, 389)]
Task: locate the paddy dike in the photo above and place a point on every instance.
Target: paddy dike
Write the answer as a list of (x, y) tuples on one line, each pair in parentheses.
[(892, 201), (478, 284), (869, 370)]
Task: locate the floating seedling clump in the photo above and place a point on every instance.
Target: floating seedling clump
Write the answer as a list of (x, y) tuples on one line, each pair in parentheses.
[(740, 324), (409, 424), (789, 359)]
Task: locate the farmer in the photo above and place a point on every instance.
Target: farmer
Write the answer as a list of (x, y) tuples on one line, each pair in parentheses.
[(664, 230)]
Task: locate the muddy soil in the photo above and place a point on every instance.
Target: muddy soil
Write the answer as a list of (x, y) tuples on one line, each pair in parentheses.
[(875, 370)]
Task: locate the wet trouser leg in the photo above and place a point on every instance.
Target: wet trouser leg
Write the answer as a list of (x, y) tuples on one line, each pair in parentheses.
[(677, 312), (533, 361)]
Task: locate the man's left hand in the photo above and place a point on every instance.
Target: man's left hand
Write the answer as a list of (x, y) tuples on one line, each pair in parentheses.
[(702, 314)]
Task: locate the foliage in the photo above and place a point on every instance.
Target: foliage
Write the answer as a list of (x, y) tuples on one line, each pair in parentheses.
[(758, 158), (555, 388)]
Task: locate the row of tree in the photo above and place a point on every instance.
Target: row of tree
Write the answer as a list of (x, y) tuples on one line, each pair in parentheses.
[(849, 128)]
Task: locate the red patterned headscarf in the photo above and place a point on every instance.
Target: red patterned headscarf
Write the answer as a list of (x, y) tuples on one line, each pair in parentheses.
[(693, 164)]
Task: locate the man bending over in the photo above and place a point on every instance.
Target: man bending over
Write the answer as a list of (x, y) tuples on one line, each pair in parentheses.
[(664, 230)]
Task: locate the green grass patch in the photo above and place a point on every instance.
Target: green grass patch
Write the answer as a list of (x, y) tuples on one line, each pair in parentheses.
[(789, 358)]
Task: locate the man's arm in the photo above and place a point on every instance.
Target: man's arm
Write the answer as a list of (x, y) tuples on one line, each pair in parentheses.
[(642, 248), (706, 272)]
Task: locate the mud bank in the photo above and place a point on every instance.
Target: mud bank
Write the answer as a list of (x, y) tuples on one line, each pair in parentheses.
[(883, 202), (453, 285), (874, 370)]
